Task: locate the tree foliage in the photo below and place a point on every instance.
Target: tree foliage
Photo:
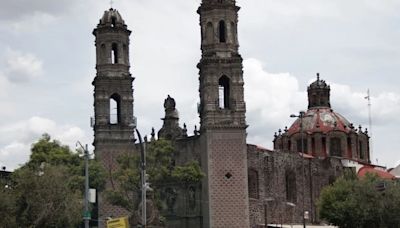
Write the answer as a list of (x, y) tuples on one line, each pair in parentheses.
[(48, 190), (7, 205), (47, 199), (369, 202), (161, 170)]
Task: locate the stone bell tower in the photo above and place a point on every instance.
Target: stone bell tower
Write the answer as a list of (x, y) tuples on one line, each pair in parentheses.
[(222, 116), (113, 99)]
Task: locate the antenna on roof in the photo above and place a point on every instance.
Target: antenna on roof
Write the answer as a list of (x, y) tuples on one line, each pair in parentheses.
[(368, 97)]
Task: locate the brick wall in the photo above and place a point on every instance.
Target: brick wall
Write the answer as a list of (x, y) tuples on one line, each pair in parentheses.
[(227, 180)]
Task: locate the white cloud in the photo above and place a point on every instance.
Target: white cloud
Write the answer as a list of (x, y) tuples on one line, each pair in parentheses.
[(22, 67), (34, 23), (17, 138), (272, 97), (385, 106), (17, 9), (13, 155)]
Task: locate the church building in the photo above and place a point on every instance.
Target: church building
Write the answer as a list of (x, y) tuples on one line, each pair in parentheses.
[(244, 185)]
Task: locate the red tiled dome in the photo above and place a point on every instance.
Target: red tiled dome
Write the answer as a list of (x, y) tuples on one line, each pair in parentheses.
[(321, 120)]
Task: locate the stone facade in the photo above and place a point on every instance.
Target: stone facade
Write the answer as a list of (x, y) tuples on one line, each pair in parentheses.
[(113, 99), (244, 185), (282, 188)]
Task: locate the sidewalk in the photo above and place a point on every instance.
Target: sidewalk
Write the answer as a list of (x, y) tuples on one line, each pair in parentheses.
[(300, 226)]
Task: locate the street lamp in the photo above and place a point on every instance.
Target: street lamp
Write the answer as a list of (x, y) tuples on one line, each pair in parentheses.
[(86, 214), (301, 115)]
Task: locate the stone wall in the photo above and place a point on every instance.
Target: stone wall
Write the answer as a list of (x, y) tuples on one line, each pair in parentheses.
[(281, 189)]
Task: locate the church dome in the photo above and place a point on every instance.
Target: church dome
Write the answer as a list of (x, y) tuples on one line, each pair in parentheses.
[(322, 120), (325, 133), (112, 18)]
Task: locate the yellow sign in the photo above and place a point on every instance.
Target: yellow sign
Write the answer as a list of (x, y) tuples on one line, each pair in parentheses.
[(118, 223)]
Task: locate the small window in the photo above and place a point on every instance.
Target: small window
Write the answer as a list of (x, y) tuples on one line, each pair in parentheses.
[(335, 147), (114, 53), (209, 33), (113, 22), (115, 109), (290, 179), (324, 145), (361, 150), (253, 184), (223, 92), (302, 147), (233, 32), (222, 32), (349, 147)]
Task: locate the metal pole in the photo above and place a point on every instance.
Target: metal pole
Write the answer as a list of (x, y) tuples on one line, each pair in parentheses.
[(86, 213), (302, 114), (143, 174), (86, 216)]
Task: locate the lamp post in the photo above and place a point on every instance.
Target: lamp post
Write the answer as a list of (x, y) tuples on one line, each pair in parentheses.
[(301, 115), (86, 213), (143, 174)]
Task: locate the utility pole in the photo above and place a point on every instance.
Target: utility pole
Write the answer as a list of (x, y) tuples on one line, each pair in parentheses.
[(86, 213)]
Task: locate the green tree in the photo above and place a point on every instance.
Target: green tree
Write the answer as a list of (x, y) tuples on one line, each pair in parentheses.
[(51, 152), (7, 205), (161, 171), (48, 190), (369, 202), (47, 198)]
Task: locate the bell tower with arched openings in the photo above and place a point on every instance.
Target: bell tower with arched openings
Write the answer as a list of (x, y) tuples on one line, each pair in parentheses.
[(113, 98), (222, 116)]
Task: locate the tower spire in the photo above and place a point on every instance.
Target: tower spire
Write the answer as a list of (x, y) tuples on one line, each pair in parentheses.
[(222, 117), (113, 97), (319, 94)]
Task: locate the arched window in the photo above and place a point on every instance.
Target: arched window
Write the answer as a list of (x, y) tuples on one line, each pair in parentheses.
[(349, 148), (361, 150), (253, 183), (290, 186), (302, 147), (223, 92), (209, 33), (335, 147), (115, 112), (113, 22), (114, 53), (222, 32), (314, 99)]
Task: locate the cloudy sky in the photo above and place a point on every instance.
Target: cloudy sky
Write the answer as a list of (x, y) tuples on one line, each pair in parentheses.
[(47, 61)]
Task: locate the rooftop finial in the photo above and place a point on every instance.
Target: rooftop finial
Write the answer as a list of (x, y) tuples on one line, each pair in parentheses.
[(317, 76)]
